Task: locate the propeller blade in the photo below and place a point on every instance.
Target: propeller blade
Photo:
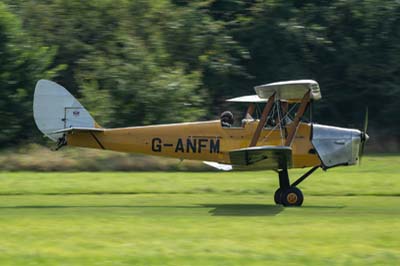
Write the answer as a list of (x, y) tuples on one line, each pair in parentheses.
[(361, 151), (366, 121), (364, 137)]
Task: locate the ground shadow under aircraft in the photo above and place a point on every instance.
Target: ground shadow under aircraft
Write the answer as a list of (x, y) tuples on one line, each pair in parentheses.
[(244, 209), (216, 209)]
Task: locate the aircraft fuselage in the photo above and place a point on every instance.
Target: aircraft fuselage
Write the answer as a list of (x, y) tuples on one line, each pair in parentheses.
[(205, 141)]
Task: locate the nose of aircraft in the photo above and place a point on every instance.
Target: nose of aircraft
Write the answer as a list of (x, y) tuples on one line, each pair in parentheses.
[(363, 139)]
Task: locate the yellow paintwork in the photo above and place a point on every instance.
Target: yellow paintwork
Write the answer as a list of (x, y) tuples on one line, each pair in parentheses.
[(152, 139)]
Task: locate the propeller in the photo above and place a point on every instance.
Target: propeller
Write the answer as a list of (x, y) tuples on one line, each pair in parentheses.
[(364, 136)]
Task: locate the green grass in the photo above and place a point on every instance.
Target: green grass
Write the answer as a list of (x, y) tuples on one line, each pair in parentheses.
[(350, 216)]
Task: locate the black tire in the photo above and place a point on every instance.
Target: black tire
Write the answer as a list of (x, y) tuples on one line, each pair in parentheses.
[(277, 196), (292, 197)]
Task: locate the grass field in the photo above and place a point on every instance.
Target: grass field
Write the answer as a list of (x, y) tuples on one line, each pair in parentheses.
[(350, 216)]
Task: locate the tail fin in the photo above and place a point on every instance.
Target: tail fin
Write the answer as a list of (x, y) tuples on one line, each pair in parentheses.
[(55, 109)]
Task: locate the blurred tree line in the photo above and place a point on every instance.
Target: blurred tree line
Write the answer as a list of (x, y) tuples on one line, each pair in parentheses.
[(142, 62)]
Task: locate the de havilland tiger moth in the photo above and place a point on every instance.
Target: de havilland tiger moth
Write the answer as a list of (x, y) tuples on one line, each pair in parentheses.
[(279, 140)]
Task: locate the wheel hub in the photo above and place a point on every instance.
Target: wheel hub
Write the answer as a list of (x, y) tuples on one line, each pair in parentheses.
[(291, 198)]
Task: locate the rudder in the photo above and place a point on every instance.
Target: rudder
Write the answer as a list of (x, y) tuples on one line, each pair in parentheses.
[(54, 109)]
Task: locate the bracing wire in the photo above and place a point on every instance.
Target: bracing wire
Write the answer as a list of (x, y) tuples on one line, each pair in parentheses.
[(278, 109), (281, 121)]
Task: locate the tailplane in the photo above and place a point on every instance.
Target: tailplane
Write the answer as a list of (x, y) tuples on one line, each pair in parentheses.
[(55, 111)]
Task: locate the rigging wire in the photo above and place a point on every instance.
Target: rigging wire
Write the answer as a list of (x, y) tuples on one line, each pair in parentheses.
[(279, 124), (278, 107)]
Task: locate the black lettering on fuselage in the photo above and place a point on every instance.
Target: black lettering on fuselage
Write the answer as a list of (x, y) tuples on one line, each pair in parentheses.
[(191, 146), (214, 146), (202, 144), (179, 146), (156, 144)]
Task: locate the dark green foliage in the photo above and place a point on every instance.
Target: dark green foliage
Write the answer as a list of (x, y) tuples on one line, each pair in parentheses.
[(350, 47), (142, 62), (22, 63)]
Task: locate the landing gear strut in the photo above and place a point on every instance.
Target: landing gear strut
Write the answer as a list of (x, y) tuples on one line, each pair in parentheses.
[(290, 195)]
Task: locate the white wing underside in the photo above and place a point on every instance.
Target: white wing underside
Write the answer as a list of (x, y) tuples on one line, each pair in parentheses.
[(219, 166)]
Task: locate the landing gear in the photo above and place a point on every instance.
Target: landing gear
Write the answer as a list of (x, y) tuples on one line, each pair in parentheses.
[(288, 194), (277, 196), (292, 197)]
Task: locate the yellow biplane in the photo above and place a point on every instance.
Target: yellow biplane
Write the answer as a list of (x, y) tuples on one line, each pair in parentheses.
[(279, 140)]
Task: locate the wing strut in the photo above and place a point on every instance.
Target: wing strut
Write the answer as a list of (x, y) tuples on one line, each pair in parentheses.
[(251, 109), (299, 114), (263, 119)]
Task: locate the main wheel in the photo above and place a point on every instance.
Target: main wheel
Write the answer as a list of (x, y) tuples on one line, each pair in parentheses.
[(292, 197), (277, 196)]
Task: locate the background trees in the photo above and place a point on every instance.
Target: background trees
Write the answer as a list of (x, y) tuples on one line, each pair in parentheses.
[(141, 62), (22, 62)]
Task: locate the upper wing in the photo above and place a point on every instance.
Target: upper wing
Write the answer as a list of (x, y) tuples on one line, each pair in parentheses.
[(292, 91), (266, 157)]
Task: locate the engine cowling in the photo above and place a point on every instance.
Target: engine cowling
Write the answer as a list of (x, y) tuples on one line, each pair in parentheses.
[(335, 145)]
